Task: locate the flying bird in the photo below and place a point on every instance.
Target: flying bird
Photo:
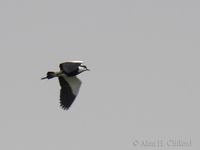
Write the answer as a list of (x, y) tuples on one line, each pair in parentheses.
[(69, 83)]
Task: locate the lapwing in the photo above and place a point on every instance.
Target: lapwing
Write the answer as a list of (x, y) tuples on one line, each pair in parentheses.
[(69, 83)]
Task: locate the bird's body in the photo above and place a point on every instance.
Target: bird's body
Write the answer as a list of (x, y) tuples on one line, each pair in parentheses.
[(69, 83)]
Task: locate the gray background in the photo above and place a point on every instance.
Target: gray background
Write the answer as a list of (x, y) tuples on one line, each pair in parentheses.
[(143, 85)]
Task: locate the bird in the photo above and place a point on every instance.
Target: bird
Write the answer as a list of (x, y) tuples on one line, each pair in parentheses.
[(70, 84)]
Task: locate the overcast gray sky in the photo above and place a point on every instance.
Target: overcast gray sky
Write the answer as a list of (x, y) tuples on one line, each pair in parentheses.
[(143, 86)]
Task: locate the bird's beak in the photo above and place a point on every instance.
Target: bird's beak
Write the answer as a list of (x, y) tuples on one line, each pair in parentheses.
[(43, 78), (88, 69)]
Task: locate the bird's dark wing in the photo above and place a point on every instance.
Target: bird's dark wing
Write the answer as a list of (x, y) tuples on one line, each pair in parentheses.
[(69, 90), (69, 67)]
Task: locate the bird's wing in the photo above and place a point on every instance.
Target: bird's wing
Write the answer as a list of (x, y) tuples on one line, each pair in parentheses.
[(69, 90), (68, 67)]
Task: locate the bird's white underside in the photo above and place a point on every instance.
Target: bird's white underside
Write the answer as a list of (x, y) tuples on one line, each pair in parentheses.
[(74, 83)]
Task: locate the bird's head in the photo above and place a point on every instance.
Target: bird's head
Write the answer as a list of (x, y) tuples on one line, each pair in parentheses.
[(82, 68)]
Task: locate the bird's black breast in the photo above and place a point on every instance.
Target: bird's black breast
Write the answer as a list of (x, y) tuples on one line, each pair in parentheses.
[(73, 73)]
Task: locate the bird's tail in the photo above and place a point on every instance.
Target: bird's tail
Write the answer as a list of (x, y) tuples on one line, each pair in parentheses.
[(50, 75)]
